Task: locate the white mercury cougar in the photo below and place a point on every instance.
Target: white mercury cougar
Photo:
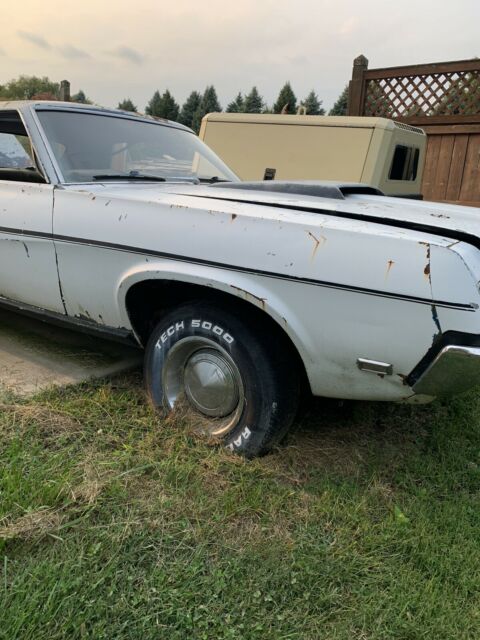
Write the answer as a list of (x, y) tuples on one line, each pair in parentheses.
[(240, 293)]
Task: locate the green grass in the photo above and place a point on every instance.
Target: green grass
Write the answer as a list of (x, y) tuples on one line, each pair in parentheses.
[(117, 524)]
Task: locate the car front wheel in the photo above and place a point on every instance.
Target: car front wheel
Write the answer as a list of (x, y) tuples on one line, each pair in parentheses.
[(236, 381)]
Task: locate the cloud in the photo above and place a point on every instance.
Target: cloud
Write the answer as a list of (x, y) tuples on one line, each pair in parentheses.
[(35, 39), (71, 53), (126, 53)]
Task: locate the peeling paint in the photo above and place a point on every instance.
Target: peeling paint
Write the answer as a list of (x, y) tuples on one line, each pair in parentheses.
[(435, 319), (247, 295), (83, 314), (234, 215)]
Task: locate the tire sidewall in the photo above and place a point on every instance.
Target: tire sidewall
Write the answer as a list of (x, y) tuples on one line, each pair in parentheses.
[(221, 327)]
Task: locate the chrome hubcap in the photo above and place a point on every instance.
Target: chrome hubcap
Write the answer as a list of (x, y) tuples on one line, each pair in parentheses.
[(202, 372), (210, 383)]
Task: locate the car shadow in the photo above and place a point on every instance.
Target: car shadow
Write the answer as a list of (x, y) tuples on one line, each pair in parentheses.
[(349, 438)]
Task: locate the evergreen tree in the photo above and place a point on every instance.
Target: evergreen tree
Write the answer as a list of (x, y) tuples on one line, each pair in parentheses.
[(286, 101), (154, 106), (341, 105), (313, 105), (169, 108), (189, 108), (162, 106), (208, 104), (237, 105), (80, 97), (127, 105), (253, 102)]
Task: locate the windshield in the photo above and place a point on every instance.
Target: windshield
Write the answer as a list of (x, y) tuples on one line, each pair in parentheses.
[(90, 147)]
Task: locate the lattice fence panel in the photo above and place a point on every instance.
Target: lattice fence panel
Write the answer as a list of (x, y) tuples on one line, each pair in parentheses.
[(433, 94)]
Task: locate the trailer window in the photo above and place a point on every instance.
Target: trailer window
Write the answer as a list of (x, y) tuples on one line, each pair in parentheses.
[(404, 163)]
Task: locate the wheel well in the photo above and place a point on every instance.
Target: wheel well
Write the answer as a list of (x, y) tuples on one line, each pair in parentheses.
[(147, 301)]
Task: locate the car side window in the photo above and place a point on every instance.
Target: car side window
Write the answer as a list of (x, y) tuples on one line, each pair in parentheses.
[(17, 162), (14, 151)]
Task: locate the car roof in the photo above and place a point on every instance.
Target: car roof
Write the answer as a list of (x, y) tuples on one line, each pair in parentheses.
[(57, 105)]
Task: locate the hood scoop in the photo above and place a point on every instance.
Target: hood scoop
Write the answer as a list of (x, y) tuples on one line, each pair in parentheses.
[(335, 190)]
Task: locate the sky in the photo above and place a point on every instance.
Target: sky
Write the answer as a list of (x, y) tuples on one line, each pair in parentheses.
[(118, 49)]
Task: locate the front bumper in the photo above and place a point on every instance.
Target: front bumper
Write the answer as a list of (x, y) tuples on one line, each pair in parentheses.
[(454, 369)]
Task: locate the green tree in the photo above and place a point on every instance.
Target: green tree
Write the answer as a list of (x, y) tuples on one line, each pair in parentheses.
[(208, 104), (127, 105), (25, 87), (341, 105), (237, 105), (253, 102), (189, 108), (286, 101), (154, 105), (313, 105), (169, 108), (162, 106), (80, 97)]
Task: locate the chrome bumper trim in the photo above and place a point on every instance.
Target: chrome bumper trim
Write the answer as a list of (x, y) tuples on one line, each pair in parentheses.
[(455, 369)]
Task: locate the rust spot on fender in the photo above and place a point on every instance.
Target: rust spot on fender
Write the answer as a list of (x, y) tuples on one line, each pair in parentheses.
[(318, 243), (426, 270), (390, 264)]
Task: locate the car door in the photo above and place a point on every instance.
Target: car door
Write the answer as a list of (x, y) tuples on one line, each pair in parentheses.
[(28, 267)]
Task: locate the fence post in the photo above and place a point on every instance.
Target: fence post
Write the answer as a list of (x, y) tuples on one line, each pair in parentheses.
[(65, 91), (355, 87)]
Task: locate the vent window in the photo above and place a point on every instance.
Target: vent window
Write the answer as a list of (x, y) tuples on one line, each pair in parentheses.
[(405, 163)]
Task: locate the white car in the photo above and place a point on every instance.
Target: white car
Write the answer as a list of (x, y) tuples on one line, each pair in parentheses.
[(239, 292)]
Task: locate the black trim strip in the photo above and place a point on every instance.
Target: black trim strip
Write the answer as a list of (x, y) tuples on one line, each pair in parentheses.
[(455, 234), (229, 267)]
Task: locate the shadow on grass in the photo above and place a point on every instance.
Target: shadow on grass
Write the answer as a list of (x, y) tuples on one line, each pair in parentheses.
[(352, 438)]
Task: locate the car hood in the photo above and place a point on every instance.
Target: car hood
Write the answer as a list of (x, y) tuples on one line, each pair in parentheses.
[(327, 198)]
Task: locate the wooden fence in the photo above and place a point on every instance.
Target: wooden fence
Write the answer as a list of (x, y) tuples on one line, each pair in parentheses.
[(444, 100)]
